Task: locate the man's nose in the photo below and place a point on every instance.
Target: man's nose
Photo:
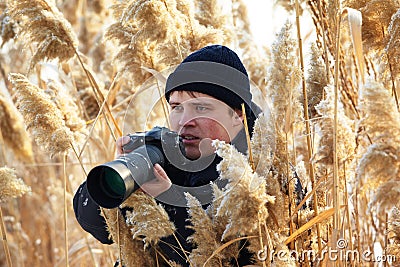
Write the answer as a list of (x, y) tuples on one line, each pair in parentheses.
[(187, 118)]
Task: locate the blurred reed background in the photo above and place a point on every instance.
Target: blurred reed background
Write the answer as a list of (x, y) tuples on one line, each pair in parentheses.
[(76, 75)]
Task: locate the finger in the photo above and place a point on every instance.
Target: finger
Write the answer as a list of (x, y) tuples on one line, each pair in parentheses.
[(125, 139), (159, 172), (158, 185), (121, 141)]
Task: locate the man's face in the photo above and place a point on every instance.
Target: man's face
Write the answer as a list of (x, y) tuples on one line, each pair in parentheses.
[(199, 119)]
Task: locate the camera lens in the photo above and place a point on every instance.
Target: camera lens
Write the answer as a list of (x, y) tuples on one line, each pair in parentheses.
[(111, 183)]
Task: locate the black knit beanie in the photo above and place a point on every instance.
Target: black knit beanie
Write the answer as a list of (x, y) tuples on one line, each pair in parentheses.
[(214, 70)]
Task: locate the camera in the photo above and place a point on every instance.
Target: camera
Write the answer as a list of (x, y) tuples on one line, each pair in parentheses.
[(113, 182)]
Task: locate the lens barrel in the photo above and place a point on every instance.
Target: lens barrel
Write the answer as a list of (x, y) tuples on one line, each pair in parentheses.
[(113, 182)]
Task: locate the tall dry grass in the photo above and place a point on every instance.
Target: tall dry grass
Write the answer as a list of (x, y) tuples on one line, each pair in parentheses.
[(77, 74)]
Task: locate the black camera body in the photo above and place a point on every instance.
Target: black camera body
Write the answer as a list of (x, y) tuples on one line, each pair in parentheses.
[(113, 182)]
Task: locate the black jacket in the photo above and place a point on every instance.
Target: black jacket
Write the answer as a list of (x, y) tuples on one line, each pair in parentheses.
[(88, 214)]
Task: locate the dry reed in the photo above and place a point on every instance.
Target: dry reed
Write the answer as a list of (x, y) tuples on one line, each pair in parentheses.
[(345, 136), (391, 44), (147, 220), (43, 25), (132, 251), (41, 116), (146, 37), (207, 236), (393, 247), (316, 81), (381, 121), (13, 130), (11, 186), (283, 90), (376, 19)]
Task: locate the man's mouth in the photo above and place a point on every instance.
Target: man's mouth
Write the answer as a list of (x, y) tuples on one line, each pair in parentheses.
[(188, 138)]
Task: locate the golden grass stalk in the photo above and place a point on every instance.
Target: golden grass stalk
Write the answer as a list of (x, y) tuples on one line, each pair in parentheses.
[(335, 191), (4, 238), (263, 143), (132, 252), (66, 247), (307, 120), (381, 121), (13, 130), (355, 21), (376, 17), (393, 234), (147, 220), (392, 51), (206, 237), (10, 185), (319, 218), (155, 35), (69, 109), (139, 25), (245, 199), (323, 156), (43, 25), (283, 81), (316, 80), (41, 115), (197, 35)]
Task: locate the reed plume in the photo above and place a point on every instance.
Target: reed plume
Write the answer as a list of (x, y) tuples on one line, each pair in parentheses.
[(391, 47), (13, 130), (381, 120), (290, 5), (244, 199), (69, 109), (376, 17), (44, 26), (137, 45), (346, 146), (10, 185), (41, 116), (131, 250), (393, 248), (283, 89), (263, 143), (316, 80), (155, 35), (211, 14), (283, 81), (206, 237), (147, 220), (195, 33)]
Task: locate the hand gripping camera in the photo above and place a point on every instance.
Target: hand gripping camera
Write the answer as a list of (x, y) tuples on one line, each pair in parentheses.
[(112, 183)]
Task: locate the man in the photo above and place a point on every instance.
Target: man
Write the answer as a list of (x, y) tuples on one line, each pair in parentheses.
[(205, 93)]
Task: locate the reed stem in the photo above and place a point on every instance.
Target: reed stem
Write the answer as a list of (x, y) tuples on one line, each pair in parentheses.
[(336, 196), (4, 237), (307, 121), (65, 211), (99, 97)]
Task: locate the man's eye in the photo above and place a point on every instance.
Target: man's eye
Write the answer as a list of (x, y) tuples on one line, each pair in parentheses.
[(201, 108), (177, 108)]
